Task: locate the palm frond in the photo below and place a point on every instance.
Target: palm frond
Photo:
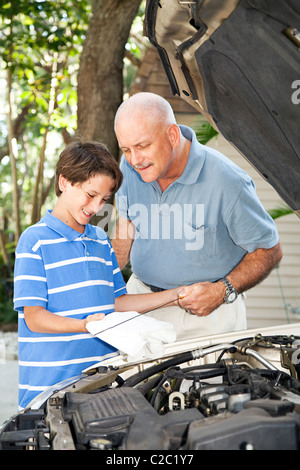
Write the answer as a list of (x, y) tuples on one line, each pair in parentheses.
[(280, 211), (205, 132)]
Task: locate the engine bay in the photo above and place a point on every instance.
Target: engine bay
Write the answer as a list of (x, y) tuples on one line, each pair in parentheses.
[(247, 397)]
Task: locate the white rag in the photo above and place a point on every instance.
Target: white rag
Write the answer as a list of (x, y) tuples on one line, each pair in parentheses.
[(140, 337)]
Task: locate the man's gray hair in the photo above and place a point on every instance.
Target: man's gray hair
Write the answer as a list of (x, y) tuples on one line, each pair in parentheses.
[(153, 106)]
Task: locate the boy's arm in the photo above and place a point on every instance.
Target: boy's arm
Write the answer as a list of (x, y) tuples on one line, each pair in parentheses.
[(40, 320), (143, 303)]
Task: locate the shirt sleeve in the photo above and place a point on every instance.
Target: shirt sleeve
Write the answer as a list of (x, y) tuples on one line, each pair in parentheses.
[(249, 224), (30, 283), (119, 283)]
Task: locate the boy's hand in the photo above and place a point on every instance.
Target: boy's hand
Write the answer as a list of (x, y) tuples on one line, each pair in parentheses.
[(94, 317)]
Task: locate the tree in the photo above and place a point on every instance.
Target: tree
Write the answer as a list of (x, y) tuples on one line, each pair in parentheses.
[(100, 77), (40, 46), (39, 42)]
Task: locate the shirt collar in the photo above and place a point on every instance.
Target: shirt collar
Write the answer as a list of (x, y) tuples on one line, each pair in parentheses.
[(64, 230), (196, 159)]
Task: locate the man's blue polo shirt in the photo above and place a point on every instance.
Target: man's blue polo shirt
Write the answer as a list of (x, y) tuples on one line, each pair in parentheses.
[(200, 227), (72, 275)]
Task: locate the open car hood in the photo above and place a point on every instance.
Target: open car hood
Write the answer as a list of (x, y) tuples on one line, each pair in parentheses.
[(240, 390), (230, 391), (238, 63)]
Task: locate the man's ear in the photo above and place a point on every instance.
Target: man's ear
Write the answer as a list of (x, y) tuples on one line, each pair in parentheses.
[(174, 135)]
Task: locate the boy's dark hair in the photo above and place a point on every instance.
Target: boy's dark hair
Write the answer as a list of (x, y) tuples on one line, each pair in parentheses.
[(80, 161)]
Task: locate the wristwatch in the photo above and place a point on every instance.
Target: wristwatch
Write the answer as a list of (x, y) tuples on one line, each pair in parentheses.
[(231, 294)]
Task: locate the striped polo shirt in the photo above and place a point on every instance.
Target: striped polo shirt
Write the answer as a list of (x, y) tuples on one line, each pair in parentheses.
[(71, 275)]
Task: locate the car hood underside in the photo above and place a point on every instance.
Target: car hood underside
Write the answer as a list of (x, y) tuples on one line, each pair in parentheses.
[(237, 63)]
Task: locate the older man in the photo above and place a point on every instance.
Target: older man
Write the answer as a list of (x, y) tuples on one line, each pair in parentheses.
[(190, 217)]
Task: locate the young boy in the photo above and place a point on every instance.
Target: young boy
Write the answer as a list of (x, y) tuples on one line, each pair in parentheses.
[(66, 274)]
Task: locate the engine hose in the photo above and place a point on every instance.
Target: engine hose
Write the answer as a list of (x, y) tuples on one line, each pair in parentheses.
[(148, 385), (145, 374), (155, 393), (174, 361)]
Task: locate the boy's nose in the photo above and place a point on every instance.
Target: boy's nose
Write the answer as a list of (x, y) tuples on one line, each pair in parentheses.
[(96, 205)]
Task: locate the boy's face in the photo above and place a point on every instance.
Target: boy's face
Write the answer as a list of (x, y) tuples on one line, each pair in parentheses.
[(78, 203)]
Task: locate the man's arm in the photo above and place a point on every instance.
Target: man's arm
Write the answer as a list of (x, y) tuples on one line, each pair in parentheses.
[(122, 240), (204, 297)]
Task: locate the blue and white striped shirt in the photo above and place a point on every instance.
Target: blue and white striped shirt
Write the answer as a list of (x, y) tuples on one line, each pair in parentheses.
[(72, 275)]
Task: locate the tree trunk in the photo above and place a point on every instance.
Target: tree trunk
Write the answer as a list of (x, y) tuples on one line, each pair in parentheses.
[(13, 151), (100, 77), (38, 201), (3, 251)]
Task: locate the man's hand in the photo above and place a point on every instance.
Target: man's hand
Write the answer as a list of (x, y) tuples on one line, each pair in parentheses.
[(202, 298)]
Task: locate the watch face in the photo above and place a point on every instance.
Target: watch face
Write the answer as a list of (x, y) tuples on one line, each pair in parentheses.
[(232, 296)]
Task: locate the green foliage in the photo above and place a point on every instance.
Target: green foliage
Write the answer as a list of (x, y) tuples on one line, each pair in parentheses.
[(280, 211), (40, 46), (7, 312), (205, 132), (35, 35)]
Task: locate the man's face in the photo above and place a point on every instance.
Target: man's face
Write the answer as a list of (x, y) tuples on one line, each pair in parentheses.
[(147, 148)]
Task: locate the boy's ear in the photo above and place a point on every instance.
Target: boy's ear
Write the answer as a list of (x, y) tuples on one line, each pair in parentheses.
[(62, 183)]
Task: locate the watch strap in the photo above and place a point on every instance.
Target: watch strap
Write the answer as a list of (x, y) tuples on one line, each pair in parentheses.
[(230, 291)]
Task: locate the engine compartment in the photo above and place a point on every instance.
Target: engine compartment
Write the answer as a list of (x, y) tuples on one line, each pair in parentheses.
[(247, 398)]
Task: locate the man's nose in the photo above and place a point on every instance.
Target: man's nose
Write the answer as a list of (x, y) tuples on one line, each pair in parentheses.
[(135, 157)]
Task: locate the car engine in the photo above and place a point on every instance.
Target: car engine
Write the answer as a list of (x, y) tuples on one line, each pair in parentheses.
[(247, 397)]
